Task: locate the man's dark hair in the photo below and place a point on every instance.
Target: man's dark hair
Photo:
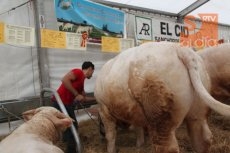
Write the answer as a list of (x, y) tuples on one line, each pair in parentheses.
[(87, 64)]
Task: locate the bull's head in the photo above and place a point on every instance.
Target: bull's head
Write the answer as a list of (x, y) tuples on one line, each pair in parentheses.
[(60, 120)]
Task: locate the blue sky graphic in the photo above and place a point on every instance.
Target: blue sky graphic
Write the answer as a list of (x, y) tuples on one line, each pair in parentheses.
[(80, 11)]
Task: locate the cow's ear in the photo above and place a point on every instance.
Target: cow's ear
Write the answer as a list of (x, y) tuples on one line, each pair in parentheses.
[(27, 115)]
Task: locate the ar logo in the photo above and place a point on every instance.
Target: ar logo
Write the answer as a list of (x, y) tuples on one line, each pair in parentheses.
[(145, 28)]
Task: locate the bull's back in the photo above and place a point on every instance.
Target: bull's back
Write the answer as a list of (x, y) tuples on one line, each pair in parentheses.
[(123, 81), (152, 60)]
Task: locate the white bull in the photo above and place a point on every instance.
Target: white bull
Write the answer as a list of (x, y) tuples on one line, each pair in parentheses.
[(217, 62), (158, 86), (38, 134)]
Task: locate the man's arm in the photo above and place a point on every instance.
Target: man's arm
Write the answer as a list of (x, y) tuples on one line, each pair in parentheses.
[(67, 79), (88, 98)]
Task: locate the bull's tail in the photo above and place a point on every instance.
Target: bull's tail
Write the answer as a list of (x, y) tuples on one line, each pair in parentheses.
[(190, 59)]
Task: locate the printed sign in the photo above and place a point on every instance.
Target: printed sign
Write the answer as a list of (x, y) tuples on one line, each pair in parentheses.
[(126, 43), (74, 41), (53, 39), (18, 35), (143, 28), (159, 30), (59, 39), (110, 44), (1, 32), (168, 31)]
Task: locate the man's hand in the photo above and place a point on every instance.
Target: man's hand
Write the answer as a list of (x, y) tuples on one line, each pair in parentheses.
[(87, 98), (79, 98)]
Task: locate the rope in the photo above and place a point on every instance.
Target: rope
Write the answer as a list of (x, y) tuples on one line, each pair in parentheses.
[(5, 110), (88, 113), (14, 8)]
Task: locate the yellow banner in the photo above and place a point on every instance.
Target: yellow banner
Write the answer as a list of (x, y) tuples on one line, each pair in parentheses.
[(53, 39), (110, 44), (1, 32)]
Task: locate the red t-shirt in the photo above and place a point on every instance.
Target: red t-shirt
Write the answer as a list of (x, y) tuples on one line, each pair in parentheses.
[(66, 96)]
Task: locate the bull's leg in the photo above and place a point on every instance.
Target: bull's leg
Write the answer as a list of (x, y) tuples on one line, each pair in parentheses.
[(165, 143), (110, 129), (140, 136), (200, 134), (198, 130)]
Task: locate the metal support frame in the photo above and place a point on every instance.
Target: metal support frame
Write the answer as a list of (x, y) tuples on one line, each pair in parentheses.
[(41, 52), (179, 15), (190, 8), (63, 109), (136, 8), (9, 114)]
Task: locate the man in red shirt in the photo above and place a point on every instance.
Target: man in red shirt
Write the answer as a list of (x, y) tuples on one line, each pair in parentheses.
[(70, 91)]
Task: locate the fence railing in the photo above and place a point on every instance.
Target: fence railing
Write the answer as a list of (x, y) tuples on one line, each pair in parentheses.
[(63, 109)]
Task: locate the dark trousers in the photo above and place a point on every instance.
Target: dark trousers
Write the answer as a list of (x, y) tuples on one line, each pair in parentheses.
[(68, 137)]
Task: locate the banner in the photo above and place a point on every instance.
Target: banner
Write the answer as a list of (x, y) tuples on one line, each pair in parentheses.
[(18, 35), (84, 16)]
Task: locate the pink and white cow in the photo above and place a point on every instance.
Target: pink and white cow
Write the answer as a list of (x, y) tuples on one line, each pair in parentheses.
[(158, 86), (40, 132)]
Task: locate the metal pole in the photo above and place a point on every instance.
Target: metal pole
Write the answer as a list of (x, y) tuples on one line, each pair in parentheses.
[(63, 109), (41, 52), (38, 37)]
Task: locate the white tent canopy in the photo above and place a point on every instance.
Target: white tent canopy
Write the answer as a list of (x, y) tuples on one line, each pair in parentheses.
[(220, 7)]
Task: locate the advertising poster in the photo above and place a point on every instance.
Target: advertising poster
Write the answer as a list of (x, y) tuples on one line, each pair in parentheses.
[(97, 20)]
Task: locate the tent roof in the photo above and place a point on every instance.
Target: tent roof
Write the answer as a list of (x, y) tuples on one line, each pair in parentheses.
[(175, 7)]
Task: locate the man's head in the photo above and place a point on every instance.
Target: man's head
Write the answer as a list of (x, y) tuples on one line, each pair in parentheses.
[(88, 68)]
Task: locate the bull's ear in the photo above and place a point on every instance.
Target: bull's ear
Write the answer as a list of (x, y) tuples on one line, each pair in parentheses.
[(63, 124), (61, 121), (27, 115)]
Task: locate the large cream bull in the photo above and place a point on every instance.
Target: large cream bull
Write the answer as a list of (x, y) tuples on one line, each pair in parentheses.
[(40, 132), (158, 86), (217, 62)]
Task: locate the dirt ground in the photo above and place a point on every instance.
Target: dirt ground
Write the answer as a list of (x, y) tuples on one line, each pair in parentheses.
[(92, 142)]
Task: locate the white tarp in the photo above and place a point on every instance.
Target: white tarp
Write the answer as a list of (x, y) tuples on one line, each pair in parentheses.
[(62, 61), (18, 64)]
